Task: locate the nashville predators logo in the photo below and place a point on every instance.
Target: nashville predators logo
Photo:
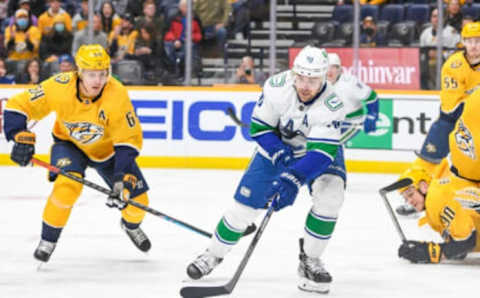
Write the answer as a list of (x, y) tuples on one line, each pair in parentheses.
[(84, 132), (464, 140), (63, 162), (62, 78), (456, 64)]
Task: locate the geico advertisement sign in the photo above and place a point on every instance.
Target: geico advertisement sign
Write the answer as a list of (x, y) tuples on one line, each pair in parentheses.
[(179, 123), (402, 124)]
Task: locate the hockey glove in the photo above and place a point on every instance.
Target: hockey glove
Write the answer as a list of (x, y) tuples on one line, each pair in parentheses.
[(286, 185), (123, 186), (370, 123), (24, 147), (282, 155), (420, 251)]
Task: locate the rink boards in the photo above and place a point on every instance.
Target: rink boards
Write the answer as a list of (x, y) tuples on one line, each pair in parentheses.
[(187, 127)]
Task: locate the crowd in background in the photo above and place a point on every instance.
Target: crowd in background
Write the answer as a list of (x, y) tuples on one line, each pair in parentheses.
[(42, 34)]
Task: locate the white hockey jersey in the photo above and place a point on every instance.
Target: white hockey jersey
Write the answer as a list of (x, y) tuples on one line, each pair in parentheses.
[(353, 93), (311, 126)]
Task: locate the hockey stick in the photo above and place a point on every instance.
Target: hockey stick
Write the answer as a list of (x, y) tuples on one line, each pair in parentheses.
[(197, 292), (384, 191), (106, 191)]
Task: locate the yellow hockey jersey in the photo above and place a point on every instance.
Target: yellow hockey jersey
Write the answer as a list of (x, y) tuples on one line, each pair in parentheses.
[(94, 126), (449, 208), (464, 140), (459, 80)]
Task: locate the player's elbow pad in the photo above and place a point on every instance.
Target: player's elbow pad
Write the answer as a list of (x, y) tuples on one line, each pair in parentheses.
[(453, 249)]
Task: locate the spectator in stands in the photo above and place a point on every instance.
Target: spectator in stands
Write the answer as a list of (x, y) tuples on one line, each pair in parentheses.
[(122, 40), (369, 36), (372, 2), (454, 15), (3, 11), (5, 77), (25, 4), (247, 74), (150, 16), (213, 15), (66, 63), (428, 38), (120, 6), (37, 7), (80, 19), (174, 41), (241, 19), (81, 37), (31, 73), (148, 50), (109, 18), (22, 39), (57, 41), (45, 21)]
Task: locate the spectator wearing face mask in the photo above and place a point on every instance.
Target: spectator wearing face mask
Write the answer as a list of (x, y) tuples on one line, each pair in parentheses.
[(369, 36), (45, 21), (5, 77), (22, 39), (25, 4), (56, 42)]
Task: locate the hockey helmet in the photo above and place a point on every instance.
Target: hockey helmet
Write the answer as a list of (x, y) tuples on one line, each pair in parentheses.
[(92, 57), (471, 30), (311, 62), (416, 174), (334, 59)]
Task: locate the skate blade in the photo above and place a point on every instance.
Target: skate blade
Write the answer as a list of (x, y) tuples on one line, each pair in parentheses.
[(40, 266), (313, 287)]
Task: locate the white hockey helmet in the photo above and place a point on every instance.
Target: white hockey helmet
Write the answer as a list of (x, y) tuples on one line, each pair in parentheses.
[(334, 59), (311, 62)]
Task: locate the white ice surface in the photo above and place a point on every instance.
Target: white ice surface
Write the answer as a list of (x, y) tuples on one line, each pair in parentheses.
[(94, 258)]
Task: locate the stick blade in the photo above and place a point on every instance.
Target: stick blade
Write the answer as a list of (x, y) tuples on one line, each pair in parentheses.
[(396, 185), (199, 292)]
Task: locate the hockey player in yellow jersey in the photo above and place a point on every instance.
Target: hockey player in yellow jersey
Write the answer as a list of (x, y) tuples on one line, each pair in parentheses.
[(96, 126), (451, 204), (460, 78)]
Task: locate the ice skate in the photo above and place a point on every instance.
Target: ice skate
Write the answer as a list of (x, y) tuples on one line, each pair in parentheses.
[(203, 265), (313, 275), (138, 237), (44, 250)]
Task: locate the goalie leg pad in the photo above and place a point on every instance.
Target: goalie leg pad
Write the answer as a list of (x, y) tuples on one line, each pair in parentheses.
[(231, 227), (59, 205), (134, 215), (328, 196)]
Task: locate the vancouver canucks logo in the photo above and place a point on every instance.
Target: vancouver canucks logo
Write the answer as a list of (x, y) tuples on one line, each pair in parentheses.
[(310, 59), (464, 140), (84, 132), (288, 131)]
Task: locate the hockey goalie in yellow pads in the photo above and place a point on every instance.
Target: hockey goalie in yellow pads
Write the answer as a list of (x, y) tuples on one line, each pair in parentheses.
[(96, 126), (451, 204)]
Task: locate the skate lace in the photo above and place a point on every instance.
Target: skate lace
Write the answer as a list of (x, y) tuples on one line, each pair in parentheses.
[(314, 265), (137, 235), (46, 246), (205, 263)]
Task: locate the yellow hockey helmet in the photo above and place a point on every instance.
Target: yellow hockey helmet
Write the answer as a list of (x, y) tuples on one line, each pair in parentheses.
[(416, 174), (92, 57), (471, 30)]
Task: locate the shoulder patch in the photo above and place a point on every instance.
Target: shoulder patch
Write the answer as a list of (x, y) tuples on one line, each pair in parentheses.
[(455, 64), (278, 80), (62, 78), (333, 103)]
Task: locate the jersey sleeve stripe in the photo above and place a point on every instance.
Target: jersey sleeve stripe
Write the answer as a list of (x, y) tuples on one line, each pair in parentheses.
[(371, 98), (329, 150), (355, 114), (257, 129), (324, 140), (259, 121)]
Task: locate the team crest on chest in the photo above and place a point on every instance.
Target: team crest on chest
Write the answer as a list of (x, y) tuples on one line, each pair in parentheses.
[(84, 132), (464, 140)]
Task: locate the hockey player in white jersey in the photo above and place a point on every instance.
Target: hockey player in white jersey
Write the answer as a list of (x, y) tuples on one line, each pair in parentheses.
[(360, 101), (296, 125)]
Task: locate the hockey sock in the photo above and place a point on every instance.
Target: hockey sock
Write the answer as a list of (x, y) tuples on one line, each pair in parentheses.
[(59, 205), (318, 230), (50, 233), (132, 214)]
